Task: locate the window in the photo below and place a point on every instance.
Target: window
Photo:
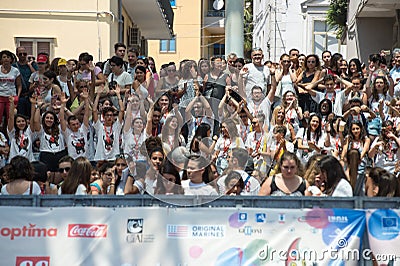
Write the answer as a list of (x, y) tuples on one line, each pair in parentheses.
[(34, 46), (172, 2), (218, 49), (324, 38), (168, 46)]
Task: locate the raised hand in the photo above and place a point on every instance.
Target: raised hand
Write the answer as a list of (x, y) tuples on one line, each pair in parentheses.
[(117, 89), (63, 98), (85, 93)]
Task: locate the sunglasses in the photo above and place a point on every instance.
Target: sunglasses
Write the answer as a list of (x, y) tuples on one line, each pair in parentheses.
[(120, 164), (83, 86), (22, 54), (285, 61), (122, 156), (62, 170)]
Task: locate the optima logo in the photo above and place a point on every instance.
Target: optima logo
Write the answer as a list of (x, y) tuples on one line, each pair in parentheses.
[(25, 231)]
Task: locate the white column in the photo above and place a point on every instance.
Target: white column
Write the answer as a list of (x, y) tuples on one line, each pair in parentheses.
[(234, 21)]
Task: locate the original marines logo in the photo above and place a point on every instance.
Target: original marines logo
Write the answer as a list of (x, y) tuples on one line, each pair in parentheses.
[(134, 230)]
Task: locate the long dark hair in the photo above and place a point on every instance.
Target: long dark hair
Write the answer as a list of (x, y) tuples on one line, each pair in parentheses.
[(357, 62), (54, 130), (388, 183), (17, 130), (363, 133), (334, 172), (168, 168), (80, 172), (201, 132), (318, 131)]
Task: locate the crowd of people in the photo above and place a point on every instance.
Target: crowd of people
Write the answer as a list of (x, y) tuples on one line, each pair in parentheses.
[(308, 125)]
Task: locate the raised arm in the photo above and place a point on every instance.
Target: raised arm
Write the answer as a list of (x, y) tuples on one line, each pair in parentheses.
[(149, 121), (85, 96), (36, 117), (120, 103), (128, 116), (271, 93), (64, 101), (96, 106)]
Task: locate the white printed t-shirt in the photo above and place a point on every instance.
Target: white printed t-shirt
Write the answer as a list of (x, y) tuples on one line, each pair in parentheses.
[(107, 140)]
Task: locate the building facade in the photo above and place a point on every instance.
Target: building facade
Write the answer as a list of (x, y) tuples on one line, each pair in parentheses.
[(282, 25), (65, 29), (372, 26), (199, 31)]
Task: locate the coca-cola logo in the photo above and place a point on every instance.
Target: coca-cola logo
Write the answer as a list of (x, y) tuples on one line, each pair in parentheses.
[(87, 230), (33, 261)]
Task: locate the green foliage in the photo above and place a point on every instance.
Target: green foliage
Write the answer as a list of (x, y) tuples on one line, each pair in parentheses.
[(248, 27), (337, 16)]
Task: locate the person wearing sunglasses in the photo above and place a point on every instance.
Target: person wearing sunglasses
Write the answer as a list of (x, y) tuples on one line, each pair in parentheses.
[(285, 75), (310, 75), (254, 73), (36, 85), (168, 83), (119, 77), (26, 68), (78, 178), (64, 165), (120, 50)]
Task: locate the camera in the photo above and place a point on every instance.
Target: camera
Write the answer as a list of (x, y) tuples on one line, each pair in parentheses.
[(112, 85)]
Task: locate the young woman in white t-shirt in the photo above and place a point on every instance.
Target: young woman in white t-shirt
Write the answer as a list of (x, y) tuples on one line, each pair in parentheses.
[(52, 144), (10, 80), (19, 133), (20, 176), (133, 134)]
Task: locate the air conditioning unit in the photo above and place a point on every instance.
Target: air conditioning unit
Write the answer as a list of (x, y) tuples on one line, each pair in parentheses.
[(134, 37)]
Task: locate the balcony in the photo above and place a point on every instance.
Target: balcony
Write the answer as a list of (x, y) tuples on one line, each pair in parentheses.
[(214, 21), (155, 18)]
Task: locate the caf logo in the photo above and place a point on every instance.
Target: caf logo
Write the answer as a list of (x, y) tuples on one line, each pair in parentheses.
[(135, 226)]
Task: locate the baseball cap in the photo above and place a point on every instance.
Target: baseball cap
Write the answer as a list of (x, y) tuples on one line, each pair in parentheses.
[(42, 58), (62, 62)]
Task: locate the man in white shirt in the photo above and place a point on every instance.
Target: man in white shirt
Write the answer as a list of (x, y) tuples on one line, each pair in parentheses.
[(253, 74), (237, 160), (202, 113), (76, 134)]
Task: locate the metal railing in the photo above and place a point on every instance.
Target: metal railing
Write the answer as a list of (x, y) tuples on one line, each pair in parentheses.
[(216, 13), (200, 201)]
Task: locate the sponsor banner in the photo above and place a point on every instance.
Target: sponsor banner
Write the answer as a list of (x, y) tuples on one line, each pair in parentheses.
[(181, 236), (383, 227)]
